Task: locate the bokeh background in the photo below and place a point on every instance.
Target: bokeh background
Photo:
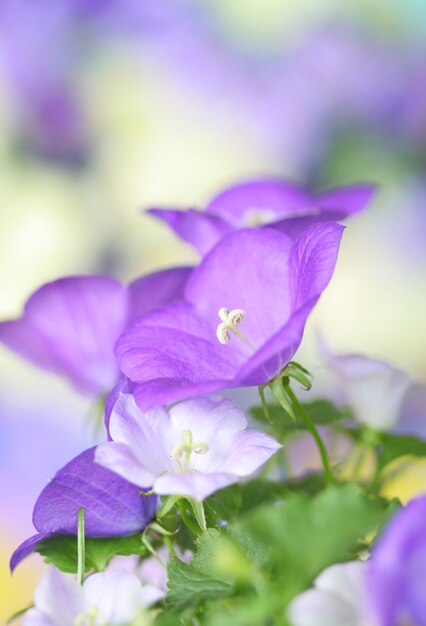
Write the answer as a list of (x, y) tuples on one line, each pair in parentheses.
[(110, 106)]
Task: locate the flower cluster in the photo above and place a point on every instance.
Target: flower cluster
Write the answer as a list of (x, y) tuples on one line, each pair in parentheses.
[(183, 471)]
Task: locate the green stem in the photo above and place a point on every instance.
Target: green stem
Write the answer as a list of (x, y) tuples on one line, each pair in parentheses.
[(359, 463), (298, 408), (264, 403), (81, 557), (186, 520)]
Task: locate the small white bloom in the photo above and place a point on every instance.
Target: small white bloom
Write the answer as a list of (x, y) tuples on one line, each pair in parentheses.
[(337, 598), (114, 598)]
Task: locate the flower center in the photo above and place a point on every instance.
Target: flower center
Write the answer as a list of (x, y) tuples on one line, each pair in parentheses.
[(91, 618), (183, 451), (230, 321)]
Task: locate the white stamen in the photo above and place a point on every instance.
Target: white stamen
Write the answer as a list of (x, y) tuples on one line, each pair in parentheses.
[(230, 321), (222, 333)]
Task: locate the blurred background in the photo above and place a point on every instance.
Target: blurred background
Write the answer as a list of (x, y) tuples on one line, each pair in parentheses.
[(110, 106)]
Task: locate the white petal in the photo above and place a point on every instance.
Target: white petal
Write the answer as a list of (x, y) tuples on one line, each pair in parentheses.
[(59, 597), (321, 608), (116, 595)]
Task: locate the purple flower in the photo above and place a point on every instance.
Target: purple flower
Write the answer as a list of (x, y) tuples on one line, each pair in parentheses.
[(283, 205), (335, 600), (397, 573), (194, 449), (115, 598), (259, 275), (113, 506), (70, 326)]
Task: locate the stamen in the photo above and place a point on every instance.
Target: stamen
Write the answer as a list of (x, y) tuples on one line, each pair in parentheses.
[(186, 448), (230, 321)]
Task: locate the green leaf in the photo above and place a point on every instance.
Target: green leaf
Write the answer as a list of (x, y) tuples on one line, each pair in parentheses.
[(322, 412), (224, 505), (61, 551), (192, 583), (304, 536), (394, 446)]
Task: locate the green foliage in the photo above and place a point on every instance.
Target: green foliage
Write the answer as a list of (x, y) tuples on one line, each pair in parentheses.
[(321, 412), (394, 446), (195, 582), (61, 551)]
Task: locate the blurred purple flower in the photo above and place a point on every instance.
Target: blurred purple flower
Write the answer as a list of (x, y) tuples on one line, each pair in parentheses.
[(115, 598), (113, 506), (396, 578), (278, 204), (70, 326), (194, 449), (262, 275)]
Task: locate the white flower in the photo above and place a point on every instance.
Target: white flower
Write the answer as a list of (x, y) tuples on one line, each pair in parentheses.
[(337, 598), (110, 598)]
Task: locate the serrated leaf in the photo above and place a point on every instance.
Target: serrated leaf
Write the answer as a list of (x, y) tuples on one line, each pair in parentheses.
[(224, 505), (61, 551), (190, 585), (305, 536)]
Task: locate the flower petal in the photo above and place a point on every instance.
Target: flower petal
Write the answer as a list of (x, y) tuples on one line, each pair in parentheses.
[(250, 449), (198, 486), (120, 459), (112, 505), (321, 608), (59, 597), (70, 327), (198, 228), (147, 434), (272, 196), (117, 595), (26, 548), (152, 291)]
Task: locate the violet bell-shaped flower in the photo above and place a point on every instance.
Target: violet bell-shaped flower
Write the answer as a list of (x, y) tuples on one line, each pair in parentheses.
[(70, 326), (241, 318), (271, 202), (113, 507), (193, 449), (115, 598)]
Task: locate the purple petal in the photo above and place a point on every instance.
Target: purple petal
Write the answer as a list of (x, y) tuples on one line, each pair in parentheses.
[(249, 270), (124, 385), (397, 571), (170, 352), (200, 229), (26, 548), (70, 327), (274, 197), (338, 203), (249, 451), (173, 353), (198, 486), (112, 505), (152, 291)]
